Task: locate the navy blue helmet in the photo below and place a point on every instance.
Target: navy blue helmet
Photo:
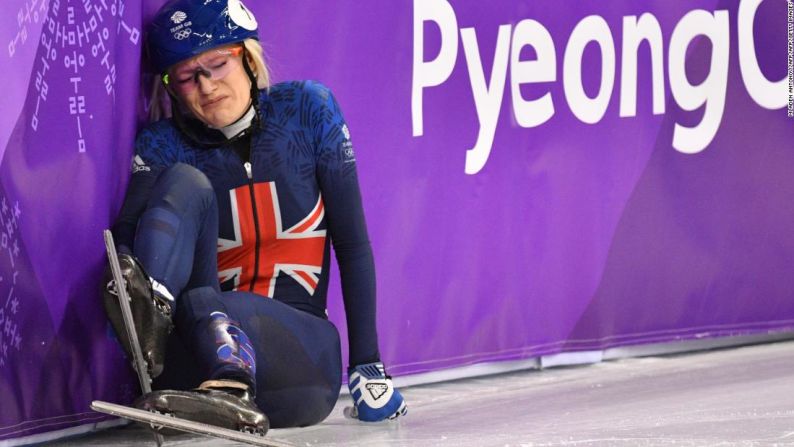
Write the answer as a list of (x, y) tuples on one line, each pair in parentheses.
[(184, 28)]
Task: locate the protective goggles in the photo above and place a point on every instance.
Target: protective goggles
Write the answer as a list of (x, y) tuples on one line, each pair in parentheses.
[(183, 77)]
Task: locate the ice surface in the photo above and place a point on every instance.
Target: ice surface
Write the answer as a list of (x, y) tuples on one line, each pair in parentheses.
[(730, 397)]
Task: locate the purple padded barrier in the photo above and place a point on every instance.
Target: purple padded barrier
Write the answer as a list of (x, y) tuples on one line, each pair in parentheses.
[(586, 226)]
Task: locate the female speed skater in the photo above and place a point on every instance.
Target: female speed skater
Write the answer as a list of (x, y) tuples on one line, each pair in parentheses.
[(226, 229)]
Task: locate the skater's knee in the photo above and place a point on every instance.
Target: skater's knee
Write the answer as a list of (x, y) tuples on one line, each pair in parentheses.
[(181, 184), (303, 407), (325, 401), (197, 302), (329, 398), (182, 173)]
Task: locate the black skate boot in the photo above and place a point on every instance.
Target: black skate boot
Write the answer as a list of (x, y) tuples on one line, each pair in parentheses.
[(152, 306), (222, 403)]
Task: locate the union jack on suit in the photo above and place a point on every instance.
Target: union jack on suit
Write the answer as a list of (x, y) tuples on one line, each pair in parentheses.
[(296, 252)]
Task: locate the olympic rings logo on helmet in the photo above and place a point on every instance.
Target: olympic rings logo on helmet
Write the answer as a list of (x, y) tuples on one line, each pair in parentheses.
[(169, 36), (182, 34)]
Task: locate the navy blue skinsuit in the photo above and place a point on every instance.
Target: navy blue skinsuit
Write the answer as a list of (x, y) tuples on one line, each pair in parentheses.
[(225, 226)]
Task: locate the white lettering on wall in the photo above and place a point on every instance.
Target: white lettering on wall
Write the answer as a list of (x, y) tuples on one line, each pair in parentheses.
[(488, 94), (590, 29), (634, 33), (709, 93), (769, 95), (487, 97), (435, 72), (543, 69)]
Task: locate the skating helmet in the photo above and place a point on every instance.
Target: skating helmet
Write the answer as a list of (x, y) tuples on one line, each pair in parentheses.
[(184, 28)]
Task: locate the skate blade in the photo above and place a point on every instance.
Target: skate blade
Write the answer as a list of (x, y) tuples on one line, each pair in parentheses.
[(159, 420)]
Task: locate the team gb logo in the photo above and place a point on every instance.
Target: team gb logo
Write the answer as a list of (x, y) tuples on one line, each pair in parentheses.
[(178, 17)]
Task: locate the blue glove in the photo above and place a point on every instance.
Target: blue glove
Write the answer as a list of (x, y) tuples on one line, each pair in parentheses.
[(374, 395)]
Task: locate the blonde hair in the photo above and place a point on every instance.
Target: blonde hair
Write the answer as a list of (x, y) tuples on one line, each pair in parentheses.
[(160, 102)]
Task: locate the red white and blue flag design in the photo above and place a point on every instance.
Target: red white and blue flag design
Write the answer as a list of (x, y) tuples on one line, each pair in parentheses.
[(296, 252)]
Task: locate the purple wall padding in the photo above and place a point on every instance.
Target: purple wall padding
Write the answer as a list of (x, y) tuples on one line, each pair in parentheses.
[(588, 229)]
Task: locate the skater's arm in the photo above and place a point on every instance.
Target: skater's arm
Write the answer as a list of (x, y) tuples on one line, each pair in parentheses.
[(336, 173), (145, 168), (134, 204)]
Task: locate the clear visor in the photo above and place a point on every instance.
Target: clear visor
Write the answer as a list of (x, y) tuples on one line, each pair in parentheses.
[(215, 64)]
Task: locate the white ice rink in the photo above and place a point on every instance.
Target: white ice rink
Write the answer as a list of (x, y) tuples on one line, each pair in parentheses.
[(730, 397)]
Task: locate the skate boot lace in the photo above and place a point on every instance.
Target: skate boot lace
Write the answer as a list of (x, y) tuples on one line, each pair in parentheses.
[(163, 300), (162, 297)]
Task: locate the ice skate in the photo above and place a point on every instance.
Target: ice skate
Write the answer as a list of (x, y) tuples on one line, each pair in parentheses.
[(152, 306), (222, 403)]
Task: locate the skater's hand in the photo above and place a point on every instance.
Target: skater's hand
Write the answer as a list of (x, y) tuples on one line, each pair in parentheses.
[(374, 395)]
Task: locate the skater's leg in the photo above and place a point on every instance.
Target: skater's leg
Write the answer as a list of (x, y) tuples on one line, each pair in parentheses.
[(226, 360), (299, 370), (289, 358), (216, 340), (175, 248), (182, 371), (176, 239), (301, 376)]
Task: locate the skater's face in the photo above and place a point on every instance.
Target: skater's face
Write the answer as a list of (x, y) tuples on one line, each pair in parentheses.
[(213, 86)]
